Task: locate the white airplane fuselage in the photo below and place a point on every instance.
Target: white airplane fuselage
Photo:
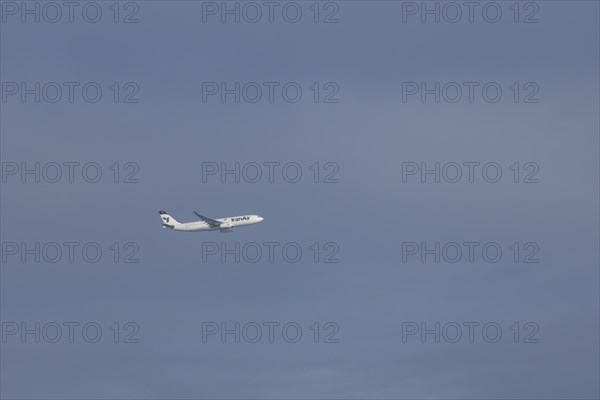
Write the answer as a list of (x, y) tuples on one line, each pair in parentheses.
[(227, 223), (224, 224)]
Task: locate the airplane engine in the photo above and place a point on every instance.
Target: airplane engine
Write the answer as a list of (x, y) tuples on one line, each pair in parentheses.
[(226, 227)]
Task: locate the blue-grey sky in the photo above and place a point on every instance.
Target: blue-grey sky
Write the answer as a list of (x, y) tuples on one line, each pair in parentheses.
[(372, 294)]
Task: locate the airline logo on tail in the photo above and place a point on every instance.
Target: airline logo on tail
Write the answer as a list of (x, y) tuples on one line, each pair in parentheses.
[(166, 218)]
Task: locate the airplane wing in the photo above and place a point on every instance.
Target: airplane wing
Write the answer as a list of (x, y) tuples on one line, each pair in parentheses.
[(211, 222)]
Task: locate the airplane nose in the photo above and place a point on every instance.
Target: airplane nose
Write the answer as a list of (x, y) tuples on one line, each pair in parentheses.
[(260, 218)]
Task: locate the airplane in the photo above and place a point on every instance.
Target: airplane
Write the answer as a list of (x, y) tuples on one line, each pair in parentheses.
[(208, 224)]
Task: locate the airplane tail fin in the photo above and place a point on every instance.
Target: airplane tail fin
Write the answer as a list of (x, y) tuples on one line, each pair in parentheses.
[(168, 221)]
